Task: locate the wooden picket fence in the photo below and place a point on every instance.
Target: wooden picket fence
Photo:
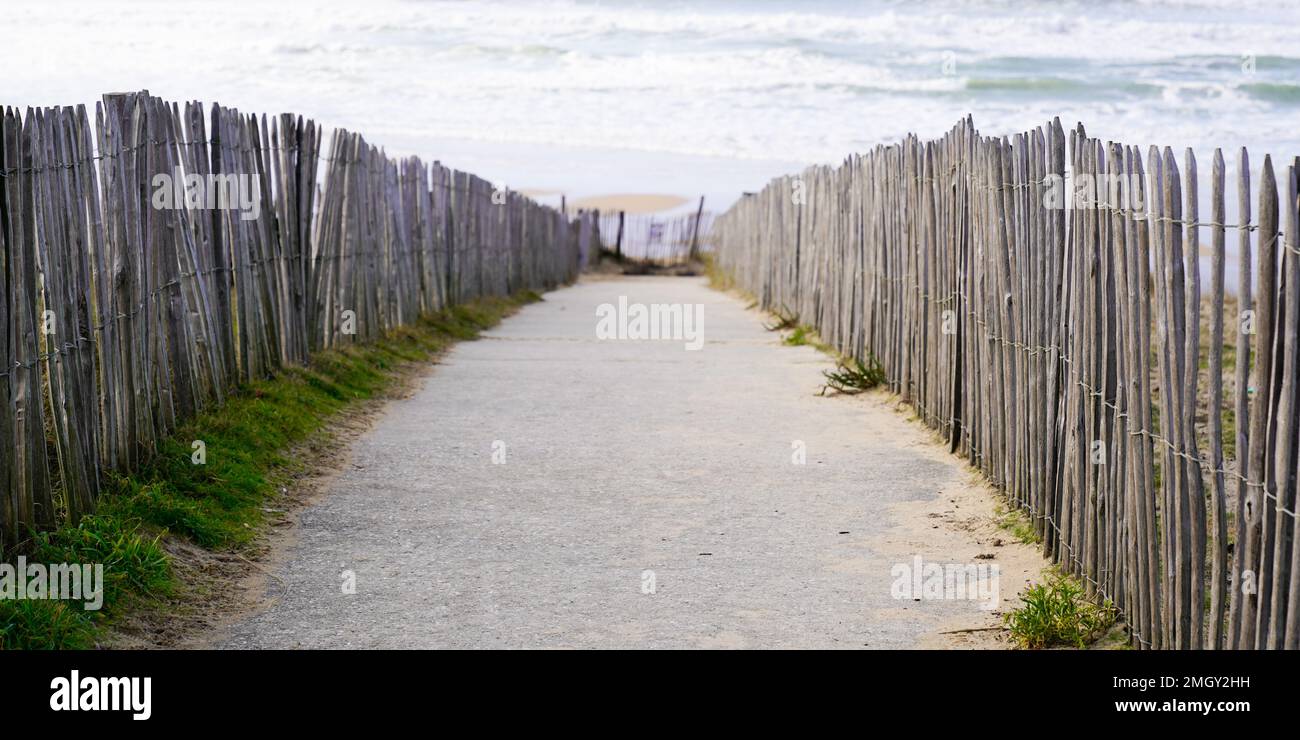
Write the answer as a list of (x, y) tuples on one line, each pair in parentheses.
[(1061, 339), (654, 239), (125, 313)]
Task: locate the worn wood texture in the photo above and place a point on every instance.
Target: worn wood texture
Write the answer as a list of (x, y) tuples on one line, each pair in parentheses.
[(1055, 330), (653, 239), (154, 260)]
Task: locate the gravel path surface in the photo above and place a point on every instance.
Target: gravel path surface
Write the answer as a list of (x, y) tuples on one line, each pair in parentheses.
[(648, 498)]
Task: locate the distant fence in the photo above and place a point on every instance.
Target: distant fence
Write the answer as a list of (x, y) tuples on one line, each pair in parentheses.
[(1151, 434), (655, 239), (132, 301)]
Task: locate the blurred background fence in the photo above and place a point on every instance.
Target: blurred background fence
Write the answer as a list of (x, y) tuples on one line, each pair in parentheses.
[(158, 258), (656, 239), (1061, 335)]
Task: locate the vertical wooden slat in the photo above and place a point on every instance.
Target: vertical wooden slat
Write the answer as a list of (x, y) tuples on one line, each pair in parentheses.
[(1218, 495), (1273, 596), (1261, 407)]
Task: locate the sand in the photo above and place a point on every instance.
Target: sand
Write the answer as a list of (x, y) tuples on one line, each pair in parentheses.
[(632, 202)]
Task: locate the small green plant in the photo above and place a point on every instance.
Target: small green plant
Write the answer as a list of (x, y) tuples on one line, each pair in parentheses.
[(1015, 522), (855, 376), (799, 337), (1057, 613)]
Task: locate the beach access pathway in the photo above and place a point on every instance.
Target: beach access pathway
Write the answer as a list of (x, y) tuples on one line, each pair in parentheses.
[(544, 488)]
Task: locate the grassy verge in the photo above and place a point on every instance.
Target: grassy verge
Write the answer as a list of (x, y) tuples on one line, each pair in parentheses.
[(219, 505)]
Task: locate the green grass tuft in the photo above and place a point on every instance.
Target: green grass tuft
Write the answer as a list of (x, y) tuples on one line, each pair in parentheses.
[(134, 564), (801, 336), (1057, 613), (855, 376), (1017, 523), (45, 625)]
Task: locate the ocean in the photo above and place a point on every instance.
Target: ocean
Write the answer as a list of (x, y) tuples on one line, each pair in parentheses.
[(688, 98)]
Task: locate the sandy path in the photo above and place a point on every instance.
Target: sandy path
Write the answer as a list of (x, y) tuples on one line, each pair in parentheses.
[(625, 463)]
